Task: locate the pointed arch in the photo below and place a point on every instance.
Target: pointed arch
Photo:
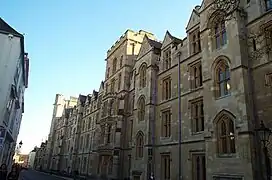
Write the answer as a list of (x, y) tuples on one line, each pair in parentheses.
[(142, 72), (141, 108), (139, 144), (221, 75), (224, 123), (222, 113)]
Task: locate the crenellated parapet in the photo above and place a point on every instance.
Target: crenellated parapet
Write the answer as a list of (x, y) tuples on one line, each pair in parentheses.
[(129, 35)]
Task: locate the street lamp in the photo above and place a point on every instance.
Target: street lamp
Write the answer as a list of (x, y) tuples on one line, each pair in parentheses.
[(20, 144), (264, 133)]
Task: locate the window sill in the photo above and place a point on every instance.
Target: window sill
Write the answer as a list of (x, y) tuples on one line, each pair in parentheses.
[(166, 138), (197, 133), (196, 89), (232, 155), (222, 97)]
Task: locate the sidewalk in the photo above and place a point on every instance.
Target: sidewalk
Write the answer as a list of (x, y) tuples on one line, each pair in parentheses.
[(66, 178)]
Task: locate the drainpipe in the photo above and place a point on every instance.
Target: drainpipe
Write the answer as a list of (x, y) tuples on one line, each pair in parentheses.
[(153, 125), (179, 116)]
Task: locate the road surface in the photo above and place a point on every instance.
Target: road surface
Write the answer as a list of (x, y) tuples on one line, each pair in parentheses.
[(35, 175)]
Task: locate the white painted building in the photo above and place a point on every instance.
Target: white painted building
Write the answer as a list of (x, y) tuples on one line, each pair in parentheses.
[(14, 69), (31, 158)]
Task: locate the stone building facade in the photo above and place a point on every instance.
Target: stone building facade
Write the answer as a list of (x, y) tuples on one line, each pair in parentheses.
[(130, 127)]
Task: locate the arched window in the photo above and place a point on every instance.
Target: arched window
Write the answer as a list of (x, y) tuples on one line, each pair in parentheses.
[(218, 30), (222, 78), (225, 135), (141, 109), (143, 75), (139, 145), (114, 64)]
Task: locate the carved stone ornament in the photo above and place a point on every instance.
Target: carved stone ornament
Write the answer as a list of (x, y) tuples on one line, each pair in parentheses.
[(228, 6)]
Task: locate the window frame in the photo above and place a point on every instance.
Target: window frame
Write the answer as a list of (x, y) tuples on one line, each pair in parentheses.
[(166, 117), (142, 72), (141, 109), (195, 41), (167, 59), (198, 119), (114, 65), (166, 166), (226, 144), (196, 80), (202, 168), (140, 145), (218, 31), (222, 66), (166, 88)]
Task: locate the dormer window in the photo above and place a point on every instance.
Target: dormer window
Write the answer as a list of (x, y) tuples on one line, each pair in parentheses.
[(167, 59), (194, 38)]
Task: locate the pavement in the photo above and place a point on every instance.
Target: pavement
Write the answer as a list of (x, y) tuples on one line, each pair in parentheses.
[(36, 175)]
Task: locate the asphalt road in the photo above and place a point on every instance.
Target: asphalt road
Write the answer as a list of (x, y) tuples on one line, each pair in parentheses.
[(34, 175)]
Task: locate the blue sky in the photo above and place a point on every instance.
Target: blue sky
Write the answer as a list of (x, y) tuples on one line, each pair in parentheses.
[(67, 41)]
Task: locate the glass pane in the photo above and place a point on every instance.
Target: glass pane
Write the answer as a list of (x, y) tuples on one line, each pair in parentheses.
[(204, 167), (224, 37), (217, 41), (221, 75), (223, 129), (224, 144), (232, 144), (222, 89), (198, 165), (227, 72)]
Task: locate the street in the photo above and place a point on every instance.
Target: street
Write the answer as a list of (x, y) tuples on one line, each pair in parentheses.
[(35, 175)]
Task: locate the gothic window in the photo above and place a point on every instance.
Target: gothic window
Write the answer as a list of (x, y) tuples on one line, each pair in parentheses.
[(197, 113), (143, 75), (119, 81), (194, 38), (225, 135), (199, 167), (110, 165), (114, 65), (196, 75), (121, 61), (139, 145), (108, 72), (141, 109), (222, 78), (166, 123), (194, 44), (198, 41), (166, 166), (167, 59), (218, 30), (111, 108), (166, 90), (109, 134), (112, 85)]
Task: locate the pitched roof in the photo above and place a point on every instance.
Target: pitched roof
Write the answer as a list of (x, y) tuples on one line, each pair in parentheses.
[(154, 43), (4, 27), (174, 39)]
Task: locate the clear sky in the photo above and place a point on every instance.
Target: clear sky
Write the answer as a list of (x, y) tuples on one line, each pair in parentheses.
[(67, 41)]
